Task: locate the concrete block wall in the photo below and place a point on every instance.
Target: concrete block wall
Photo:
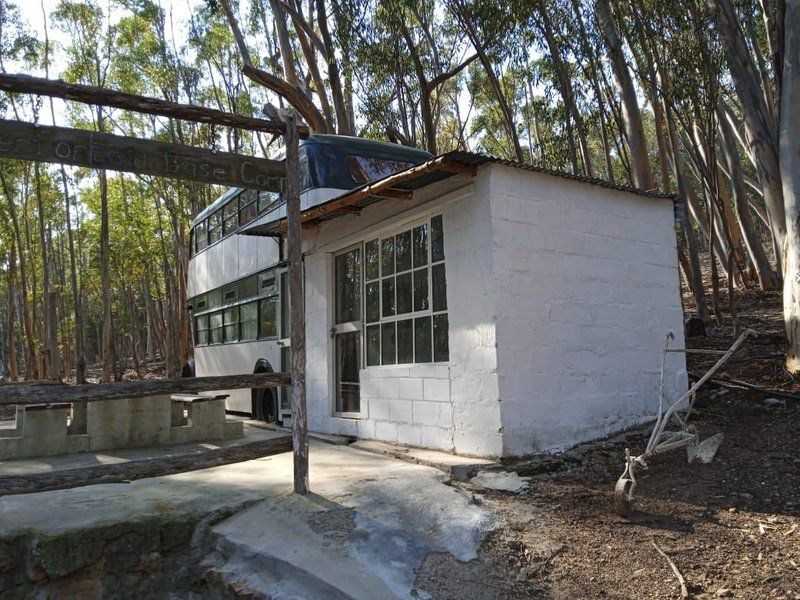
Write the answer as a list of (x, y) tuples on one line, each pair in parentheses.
[(462, 415), (410, 404), (587, 282)]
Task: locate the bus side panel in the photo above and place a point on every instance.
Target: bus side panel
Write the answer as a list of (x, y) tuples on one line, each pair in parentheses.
[(236, 359)]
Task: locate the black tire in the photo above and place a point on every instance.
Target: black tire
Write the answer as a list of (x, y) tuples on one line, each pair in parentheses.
[(265, 400)]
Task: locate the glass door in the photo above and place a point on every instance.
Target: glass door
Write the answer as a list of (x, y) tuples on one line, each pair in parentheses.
[(347, 330)]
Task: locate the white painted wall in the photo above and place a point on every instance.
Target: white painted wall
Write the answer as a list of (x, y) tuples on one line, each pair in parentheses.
[(450, 406), (587, 286)]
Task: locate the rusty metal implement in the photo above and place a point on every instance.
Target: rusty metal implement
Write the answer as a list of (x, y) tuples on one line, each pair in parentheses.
[(680, 435)]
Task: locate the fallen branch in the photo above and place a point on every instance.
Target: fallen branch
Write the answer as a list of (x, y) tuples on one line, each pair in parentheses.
[(138, 469), (681, 580)]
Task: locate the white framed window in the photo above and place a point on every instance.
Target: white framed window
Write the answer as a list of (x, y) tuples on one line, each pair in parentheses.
[(405, 297)]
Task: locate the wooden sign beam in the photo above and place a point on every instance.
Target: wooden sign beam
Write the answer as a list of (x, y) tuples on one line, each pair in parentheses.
[(89, 94), (94, 150)]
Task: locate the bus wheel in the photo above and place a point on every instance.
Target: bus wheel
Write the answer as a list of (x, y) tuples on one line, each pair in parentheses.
[(265, 401)]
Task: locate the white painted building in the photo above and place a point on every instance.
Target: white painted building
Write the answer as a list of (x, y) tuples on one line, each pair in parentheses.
[(487, 308)]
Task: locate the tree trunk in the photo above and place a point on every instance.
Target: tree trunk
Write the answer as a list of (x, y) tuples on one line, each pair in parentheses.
[(634, 131), (13, 367), (764, 272), (790, 170), (760, 125)]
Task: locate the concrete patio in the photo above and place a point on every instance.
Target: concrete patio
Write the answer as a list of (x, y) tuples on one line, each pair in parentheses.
[(362, 533)]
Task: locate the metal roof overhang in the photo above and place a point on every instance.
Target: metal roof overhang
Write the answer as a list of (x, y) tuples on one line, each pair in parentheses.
[(402, 184)]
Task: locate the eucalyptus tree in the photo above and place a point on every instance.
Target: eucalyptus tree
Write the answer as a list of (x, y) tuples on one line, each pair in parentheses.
[(91, 50)]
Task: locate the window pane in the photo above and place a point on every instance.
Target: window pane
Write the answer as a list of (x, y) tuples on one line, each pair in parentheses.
[(373, 302), (441, 345), (373, 345), (403, 251), (215, 328), (387, 256), (439, 288), (371, 259), (422, 340), (231, 209), (267, 200), (348, 286), (200, 303), (214, 235), (247, 214), (215, 220), (369, 168), (388, 297), (247, 197), (230, 225), (232, 324), (215, 298), (387, 344), (403, 293), (202, 337), (248, 287), (437, 239), (420, 245), (230, 293), (266, 283), (268, 317), (249, 316), (421, 290), (201, 235), (405, 342)]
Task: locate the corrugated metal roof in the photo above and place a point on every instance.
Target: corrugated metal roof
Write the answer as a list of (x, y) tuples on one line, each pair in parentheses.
[(468, 159)]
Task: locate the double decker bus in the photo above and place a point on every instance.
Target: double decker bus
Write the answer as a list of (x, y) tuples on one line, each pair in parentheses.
[(237, 284)]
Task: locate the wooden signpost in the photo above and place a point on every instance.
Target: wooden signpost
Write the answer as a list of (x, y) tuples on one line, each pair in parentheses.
[(94, 150), (39, 143)]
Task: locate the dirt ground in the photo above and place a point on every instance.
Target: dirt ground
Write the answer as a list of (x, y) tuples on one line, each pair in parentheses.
[(731, 527)]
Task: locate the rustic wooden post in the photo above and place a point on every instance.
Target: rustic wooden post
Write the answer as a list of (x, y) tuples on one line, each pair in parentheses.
[(296, 306)]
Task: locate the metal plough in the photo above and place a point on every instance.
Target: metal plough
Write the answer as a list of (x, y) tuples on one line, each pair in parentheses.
[(680, 435)]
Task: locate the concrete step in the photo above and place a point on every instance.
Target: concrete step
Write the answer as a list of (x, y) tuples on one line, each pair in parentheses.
[(460, 468), (296, 549)]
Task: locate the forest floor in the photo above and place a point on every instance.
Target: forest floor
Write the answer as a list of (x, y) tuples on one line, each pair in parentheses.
[(732, 527)]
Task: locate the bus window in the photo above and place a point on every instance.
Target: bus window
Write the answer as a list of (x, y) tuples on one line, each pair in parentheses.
[(191, 242), (215, 298), (230, 216), (267, 201), (248, 287), (201, 235), (199, 303), (266, 283), (215, 227), (230, 293), (367, 168), (247, 206), (268, 317), (231, 316), (249, 320), (201, 330), (215, 328)]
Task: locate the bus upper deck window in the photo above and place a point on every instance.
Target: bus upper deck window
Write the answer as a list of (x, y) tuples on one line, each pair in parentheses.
[(201, 235), (247, 206), (367, 168), (215, 227), (230, 216)]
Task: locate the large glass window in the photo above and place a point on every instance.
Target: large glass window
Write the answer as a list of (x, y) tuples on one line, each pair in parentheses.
[(405, 297), (247, 206), (215, 227), (201, 235)]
